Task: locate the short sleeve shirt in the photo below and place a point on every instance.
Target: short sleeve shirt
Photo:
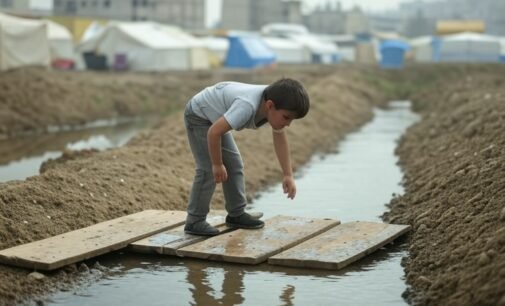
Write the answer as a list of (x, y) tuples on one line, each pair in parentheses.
[(237, 102)]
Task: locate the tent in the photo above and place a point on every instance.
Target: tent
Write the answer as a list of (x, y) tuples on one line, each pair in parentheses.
[(147, 46), (60, 41), (320, 51), (23, 42), (217, 48), (288, 51), (422, 48), (248, 51), (470, 47), (393, 53)]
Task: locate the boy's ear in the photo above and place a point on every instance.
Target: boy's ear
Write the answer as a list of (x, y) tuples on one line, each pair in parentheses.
[(270, 104)]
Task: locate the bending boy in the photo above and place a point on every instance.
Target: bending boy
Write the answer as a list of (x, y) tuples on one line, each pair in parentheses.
[(209, 117)]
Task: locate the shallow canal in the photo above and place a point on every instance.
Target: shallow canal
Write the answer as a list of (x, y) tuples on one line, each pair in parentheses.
[(353, 184)]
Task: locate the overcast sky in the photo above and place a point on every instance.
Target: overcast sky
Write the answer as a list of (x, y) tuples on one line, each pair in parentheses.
[(214, 6)]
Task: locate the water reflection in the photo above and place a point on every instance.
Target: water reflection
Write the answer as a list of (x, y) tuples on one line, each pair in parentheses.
[(21, 157)]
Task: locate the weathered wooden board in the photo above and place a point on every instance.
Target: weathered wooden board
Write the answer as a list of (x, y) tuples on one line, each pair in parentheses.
[(169, 241), (98, 239), (255, 246), (340, 246)]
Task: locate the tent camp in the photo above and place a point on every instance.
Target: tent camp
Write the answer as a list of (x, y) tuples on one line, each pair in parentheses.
[(393, 53), (422, 49), (23, 42), (217, 48), (470, 47), (60, 41), (288, 51), (320, 51), (147, 46), (248, 51)]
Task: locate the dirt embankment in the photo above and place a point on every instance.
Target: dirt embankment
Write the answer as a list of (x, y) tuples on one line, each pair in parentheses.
[(155, 169), (454, 163)]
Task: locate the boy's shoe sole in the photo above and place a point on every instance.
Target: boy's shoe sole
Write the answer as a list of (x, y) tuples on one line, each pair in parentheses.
[(201, 233), (234, 225)]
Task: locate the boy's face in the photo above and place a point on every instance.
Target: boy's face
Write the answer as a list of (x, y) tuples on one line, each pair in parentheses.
[(279, 118)]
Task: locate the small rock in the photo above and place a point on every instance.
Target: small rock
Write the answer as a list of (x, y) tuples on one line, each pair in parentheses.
[(483, 259), (424, 280), (36, 276), (502, 214), (83, 268), (70, 268)]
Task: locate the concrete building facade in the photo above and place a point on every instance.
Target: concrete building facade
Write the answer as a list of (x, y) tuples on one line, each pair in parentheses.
[(188, 14)]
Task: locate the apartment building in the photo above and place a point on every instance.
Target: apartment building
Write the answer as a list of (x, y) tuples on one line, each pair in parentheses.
[(188, 14)]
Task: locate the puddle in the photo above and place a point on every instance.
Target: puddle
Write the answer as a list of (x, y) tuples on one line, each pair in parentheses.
[(351, 185), (21, 157)]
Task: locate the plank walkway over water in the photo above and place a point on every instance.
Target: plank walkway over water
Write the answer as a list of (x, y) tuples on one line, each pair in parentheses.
[(255, 246), (169, 241), (340, 246), (98, 239)]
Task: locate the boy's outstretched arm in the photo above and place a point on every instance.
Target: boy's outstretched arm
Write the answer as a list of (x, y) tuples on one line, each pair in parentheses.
[(282, 151), (216, 130)]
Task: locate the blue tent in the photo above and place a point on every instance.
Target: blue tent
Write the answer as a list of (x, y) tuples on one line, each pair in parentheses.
[(248, 52), (393, 53)]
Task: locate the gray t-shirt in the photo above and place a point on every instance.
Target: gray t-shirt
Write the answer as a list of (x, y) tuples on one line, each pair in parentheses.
[(237, 102)]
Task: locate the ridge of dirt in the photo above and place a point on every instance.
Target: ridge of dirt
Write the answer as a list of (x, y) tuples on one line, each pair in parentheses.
[(154, 171), (454, 163)]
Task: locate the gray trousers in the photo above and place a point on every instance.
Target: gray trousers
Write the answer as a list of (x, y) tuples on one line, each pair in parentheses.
[(203, 183)]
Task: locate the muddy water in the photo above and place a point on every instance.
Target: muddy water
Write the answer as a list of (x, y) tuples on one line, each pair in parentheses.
[(22, 157), (353, 184)]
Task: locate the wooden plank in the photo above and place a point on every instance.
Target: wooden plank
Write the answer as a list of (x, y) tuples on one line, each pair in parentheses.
[(255, 246), (169, 241), (340, 246), (98, 239)]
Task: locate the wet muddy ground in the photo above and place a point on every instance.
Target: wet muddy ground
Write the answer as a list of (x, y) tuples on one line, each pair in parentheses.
[(453, 159)]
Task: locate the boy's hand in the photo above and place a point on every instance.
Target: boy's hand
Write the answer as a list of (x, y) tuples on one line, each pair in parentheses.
[(289, 187), (220, 174)]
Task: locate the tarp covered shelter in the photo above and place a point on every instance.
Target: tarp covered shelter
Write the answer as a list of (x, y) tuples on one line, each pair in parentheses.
[(470, 47), (248, 51), (23, 42), (148, 46), (60, 41), (393, 53), (321, 51), (288, 51), (217, 48)]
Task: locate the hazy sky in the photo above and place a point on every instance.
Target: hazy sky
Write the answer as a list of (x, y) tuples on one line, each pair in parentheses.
[(214, 6)]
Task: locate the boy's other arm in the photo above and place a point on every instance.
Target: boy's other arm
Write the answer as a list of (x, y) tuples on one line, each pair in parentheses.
[(216, 130), (282, 151)]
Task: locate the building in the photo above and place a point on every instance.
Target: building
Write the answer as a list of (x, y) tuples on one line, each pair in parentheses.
[(327, 19), (187, 14), (23, 8), (251, 15)]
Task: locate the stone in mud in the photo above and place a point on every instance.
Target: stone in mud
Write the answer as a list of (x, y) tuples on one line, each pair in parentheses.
[(36, 276)]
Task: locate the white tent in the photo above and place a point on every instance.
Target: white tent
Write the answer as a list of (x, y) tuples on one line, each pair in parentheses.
[(470, 47), (148, 46), (60, 41), (217, 47), (23, 42), (288, 51), (422, 48), (321, 51)]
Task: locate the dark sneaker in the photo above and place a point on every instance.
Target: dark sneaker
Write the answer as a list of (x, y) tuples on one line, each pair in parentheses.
[(201, 228), (245, 220), (256, 214)]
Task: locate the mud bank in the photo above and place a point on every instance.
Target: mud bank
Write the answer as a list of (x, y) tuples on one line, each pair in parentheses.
[(454, 163), (155, 169)]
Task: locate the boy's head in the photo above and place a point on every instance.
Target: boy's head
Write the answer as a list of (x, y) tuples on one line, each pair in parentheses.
[(288, 94)]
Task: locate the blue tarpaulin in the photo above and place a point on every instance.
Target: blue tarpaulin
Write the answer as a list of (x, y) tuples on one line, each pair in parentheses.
[(393, 53), (248, 52)]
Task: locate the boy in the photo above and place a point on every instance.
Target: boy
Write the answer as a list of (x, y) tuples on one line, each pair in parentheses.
[(209, 117)]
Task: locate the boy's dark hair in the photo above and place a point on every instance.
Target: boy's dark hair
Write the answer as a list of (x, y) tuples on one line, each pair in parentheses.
[(288, 94)]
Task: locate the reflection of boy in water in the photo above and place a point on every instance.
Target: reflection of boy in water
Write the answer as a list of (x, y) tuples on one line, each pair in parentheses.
[(233, 284), (209, 117)]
